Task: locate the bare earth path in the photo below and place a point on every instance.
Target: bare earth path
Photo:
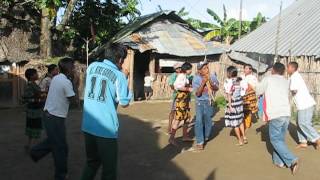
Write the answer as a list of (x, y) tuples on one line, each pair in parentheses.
[(145, 155)]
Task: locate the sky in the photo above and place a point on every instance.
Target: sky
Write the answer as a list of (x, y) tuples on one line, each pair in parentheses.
[(198, 8)]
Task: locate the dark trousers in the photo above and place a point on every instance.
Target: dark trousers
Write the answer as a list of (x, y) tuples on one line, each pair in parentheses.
[(100, 151), (55, 143)]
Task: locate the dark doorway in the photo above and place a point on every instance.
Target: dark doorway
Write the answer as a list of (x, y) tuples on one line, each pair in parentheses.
[(141, 65)]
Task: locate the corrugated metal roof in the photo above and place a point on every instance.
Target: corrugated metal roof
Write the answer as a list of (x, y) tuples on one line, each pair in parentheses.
[(299, 32), (166, 33)]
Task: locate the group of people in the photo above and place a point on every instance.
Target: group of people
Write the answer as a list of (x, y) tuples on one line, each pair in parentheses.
[(242, 94), (107, 87), (48, 105)]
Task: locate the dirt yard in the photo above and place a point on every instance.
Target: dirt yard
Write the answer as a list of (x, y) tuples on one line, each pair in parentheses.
[(145, 155)]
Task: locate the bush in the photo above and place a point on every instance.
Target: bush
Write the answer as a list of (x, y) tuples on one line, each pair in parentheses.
[(220, 102)]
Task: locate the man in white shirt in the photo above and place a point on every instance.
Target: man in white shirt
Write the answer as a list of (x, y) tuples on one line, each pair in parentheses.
[(276, 90), (55, 112), (305, 106)]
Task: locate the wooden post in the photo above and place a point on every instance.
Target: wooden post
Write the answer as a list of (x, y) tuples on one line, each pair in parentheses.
[(240, 20), (130, 58), (152, 65)]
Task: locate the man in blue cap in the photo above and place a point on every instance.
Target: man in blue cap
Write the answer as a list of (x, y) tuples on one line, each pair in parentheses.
[(204, 86)]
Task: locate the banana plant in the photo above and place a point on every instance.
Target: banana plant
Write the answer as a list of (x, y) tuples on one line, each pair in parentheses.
[(226, 29)]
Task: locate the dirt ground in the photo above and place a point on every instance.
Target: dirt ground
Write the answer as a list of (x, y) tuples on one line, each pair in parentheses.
[(145, 154)]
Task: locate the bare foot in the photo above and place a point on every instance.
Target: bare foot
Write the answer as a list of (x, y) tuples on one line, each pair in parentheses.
[(317, 144), (240, 143), (245, 140), (302, 146)]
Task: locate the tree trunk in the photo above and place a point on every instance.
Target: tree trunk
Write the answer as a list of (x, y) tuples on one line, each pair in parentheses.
[(67, 15), (45, 38)]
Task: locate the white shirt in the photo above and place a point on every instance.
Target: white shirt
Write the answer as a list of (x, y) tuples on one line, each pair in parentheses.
[(57, 102), (148, 81), (303, 98), (246, 81), (45, 84), (181, 81), (276, 91)]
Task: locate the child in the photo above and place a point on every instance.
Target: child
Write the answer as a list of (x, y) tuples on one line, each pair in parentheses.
[(148, 92), (205, 85), (45, 82), (34, 104), (183, 86), (234, 111)]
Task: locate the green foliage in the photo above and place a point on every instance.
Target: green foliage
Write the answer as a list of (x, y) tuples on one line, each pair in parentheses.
[(224, 28), (220, 102)]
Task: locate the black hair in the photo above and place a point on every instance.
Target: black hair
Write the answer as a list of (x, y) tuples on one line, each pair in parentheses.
[(279, 68), (29, 73), (232, 71), (65, 64), (186, 66), (51, 67), (248, 65), (115, 52), (294, 64)]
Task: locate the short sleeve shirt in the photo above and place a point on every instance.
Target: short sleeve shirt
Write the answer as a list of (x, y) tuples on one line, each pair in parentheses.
[(60, 90), (302, 98), (148, 81), (45, 84), (197, 80), (172, 79), (181, 81), (106, 87)]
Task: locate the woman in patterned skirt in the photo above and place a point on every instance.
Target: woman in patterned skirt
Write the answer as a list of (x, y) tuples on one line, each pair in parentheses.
[(183, 87), (33, 97), (234, 111), (250, 102)]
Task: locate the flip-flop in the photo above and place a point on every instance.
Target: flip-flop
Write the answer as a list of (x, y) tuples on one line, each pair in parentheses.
[(199, 147), (294, 167)]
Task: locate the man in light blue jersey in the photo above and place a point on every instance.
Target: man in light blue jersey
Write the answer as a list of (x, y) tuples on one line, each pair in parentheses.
[(106, 87)]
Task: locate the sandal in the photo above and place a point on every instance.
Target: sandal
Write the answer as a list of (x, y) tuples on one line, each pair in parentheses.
[(294, 167), (200, 147), (245, 141)]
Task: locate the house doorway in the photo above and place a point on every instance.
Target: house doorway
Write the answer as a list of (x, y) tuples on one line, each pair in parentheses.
[(141, 66)]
